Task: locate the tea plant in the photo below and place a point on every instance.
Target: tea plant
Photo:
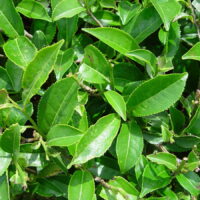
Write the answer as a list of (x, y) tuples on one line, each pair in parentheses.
[(99, 99)]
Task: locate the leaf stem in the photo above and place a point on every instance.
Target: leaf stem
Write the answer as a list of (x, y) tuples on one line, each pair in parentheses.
[(94, 18), (27, 34)]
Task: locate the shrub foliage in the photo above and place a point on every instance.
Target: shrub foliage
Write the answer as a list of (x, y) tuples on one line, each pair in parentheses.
[(99, 99)]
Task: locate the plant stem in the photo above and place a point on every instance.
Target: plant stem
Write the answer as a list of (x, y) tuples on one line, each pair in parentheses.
[(27, 34), (111, 187), (94, 18)]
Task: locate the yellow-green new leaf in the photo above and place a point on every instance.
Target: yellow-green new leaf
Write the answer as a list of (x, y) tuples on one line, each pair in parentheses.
[(115, 38), (97, 140), (67, 9), (33, 9), (162, 158), (129, 146), (81, 186), (38, 70), (58, 104), (193, 53), (157, 94), (117, 102), (63, 135), (20, 51)]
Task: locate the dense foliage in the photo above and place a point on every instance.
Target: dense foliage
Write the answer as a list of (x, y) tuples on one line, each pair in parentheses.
[(99, 99)]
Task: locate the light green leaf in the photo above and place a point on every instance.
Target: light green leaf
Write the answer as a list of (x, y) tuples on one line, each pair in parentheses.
[(162, 158), (38, 70), (193, 126), (154, 177), (67, 9), (58, 104), (64, 61), (95, 59), (97, 140), (81, 186), (91, 75), (145, 56), (157, 94), (129, 146), (24, 51), (193, 53), (5, 160), (144, 24), (10, 21), (10, 140), (4, 187), (117, 102), (189, 181), (115, 38), (33, 9), (63, 135), (167, 10)]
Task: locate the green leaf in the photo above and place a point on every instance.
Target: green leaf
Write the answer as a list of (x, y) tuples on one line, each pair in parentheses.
[(66, 9), (24, 51), (58, 104), (127, 11), (193, 126), (63, 135), (167, 10), (91, 75), (10, 140), (33, 9), (145, 56), (154, 177), (121, 73), (163, 92), (15, 74), (144, 24), (95, 59), (177, 119), (97, 140), (5, 82), (39, 39), (64, 61), (162, 158), (38, 70), (67, 28), (4, 187), (81, 186), (129, 146), (10, 21), (115, 38), (193, 53), (189, 181), (117, 102), (127, 190), (5, 160)]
